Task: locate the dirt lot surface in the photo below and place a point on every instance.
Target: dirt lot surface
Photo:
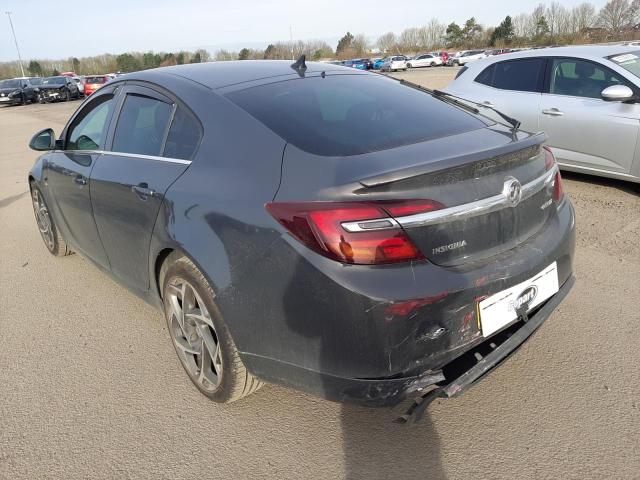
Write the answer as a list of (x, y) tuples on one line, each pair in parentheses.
[(90, 386)]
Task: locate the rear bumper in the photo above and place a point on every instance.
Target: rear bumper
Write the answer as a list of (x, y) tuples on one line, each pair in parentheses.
[(458, 385)]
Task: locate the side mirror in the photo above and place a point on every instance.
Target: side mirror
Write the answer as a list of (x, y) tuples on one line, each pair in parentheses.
[(43, 141), (617, 93)]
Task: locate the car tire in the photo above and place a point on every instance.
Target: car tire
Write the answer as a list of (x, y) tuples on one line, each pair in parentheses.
[(409, 65), (220, 376), (49, 232), (433, 64), (23, 99), (67, 95)]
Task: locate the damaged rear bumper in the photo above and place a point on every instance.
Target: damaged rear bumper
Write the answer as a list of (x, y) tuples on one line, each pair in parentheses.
[(485, 363)]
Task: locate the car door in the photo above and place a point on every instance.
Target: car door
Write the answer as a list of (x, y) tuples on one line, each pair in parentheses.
[(29, 93), (583, 129), (513, 87), (67, 172), (129, 183)]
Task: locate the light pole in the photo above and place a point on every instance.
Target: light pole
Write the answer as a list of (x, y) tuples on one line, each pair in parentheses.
[(16, 42)]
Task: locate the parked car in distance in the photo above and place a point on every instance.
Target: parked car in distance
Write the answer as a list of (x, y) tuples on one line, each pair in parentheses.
[(359, 63), (586, 99), (80, 84), (394, 63), (94, 82), (444, 56), (16, 91), (58, 89), (424, 60), (377, 63), (466, 56), (220, 193)]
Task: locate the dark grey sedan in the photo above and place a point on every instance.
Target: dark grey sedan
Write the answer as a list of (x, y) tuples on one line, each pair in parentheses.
[(332, 230)]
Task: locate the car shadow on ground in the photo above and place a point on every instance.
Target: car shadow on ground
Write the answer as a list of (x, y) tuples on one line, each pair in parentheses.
[(374, 447), (625, 186), (377, 448)]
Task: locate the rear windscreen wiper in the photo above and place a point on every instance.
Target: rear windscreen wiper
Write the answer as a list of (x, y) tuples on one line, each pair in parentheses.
[(445, 98), (515, 124)]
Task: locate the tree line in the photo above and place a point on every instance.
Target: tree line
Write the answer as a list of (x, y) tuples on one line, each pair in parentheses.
[(547, 24)]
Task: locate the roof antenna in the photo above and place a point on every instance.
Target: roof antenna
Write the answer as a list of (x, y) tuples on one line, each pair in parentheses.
[(300, 66)]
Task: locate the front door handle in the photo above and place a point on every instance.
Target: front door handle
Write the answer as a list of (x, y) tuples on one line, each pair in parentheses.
[(143, 190), (554, 112), (488, 104), (80, 180)]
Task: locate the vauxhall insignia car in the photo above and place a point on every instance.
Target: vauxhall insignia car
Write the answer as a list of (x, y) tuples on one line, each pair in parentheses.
[(586, 99), (311, 225)]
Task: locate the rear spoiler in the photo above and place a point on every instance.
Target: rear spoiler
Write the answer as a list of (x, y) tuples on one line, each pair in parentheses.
[(451, 162)]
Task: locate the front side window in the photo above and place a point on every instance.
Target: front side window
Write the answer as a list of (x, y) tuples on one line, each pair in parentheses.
[(142, 125), (520, 75), (87, 132), (580, 78)]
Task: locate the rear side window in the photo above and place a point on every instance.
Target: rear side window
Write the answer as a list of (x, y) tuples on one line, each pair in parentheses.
[(184, 136), (520, 75), (142, 125), (351, 114)]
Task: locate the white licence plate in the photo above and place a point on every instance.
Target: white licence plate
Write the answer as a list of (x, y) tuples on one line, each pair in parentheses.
[(4, 99), (499, 310)]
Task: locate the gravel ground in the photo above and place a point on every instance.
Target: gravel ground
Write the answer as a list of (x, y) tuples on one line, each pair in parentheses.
[(91, 387)]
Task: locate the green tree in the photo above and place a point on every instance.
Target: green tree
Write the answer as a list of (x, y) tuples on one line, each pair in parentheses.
[(453, 36), (127, 63), (470, 30), (75, 65), (55, 72), (542, 29), (270, 52), (151, 60), (503, 32), (244, 54), (180, 58), (197, 58), (345, 43), (35, 69)]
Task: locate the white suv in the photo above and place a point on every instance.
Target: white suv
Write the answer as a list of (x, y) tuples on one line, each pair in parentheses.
[(391, 64)]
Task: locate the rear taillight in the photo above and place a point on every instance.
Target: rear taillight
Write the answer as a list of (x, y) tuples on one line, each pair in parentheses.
[(549, 163), (353, 232)]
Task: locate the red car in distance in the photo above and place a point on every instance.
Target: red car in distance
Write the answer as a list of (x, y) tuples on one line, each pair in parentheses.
[(94, 82)]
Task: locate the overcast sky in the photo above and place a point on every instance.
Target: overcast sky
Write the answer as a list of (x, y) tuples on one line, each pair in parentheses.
[(64, 28)]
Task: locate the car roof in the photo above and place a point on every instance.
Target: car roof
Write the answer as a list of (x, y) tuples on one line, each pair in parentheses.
[(584, 51), (215, 75)]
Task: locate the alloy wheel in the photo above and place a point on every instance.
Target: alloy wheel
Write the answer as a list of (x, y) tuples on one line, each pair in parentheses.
[(193, 334), (43, 219)]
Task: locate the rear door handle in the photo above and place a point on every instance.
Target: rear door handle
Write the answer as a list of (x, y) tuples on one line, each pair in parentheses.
[(80, 180), (554, 112), (143, 190)]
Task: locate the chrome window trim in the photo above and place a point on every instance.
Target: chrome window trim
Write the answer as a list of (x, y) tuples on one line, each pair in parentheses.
[(459, 212), (130, 155)]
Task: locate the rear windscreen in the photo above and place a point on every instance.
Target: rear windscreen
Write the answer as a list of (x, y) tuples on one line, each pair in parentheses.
[(351, 114), (95, 80)]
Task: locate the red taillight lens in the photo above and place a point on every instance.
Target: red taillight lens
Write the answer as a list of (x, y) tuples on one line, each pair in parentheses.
[(549, 163), (319, 226), (557, 188)]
